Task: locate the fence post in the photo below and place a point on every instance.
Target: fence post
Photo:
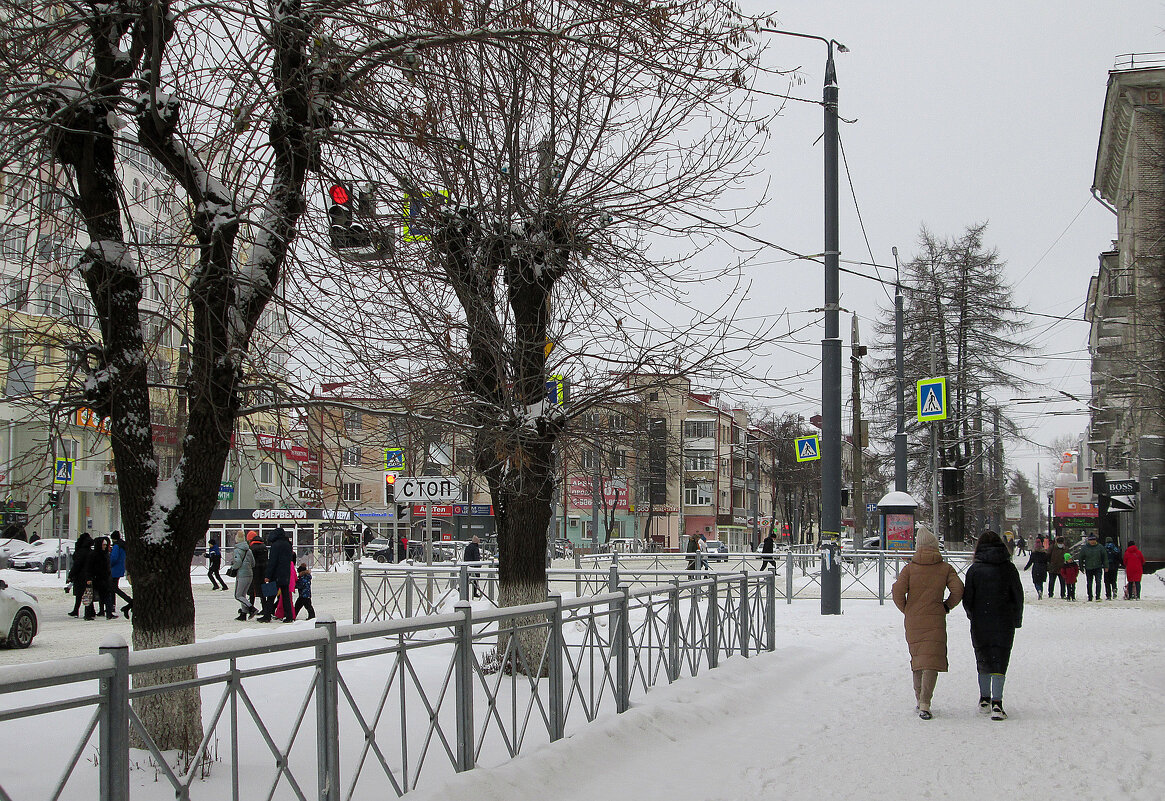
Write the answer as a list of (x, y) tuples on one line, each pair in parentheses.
[(464, 687), (409, 593), (623, 653), (328, 712), (113, 734), (577, 575), (557, 680), (357, 587), (673, 631), (881, 578), (771, 612), (463, 583), (613, 578), (744, 632), (714, 622), (789, 577)]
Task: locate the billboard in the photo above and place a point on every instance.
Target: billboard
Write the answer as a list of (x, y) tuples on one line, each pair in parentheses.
[(614, 492), (1074, 500)]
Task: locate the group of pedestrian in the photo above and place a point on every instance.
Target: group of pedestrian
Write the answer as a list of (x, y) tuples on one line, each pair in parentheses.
[(95, 574), (1100, 564), (267, 572), (928, 589)]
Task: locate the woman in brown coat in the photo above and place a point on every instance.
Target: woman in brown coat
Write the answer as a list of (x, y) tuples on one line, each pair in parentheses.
[(921, 594)]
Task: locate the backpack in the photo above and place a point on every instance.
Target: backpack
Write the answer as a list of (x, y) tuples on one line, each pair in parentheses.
[(1114, 557)]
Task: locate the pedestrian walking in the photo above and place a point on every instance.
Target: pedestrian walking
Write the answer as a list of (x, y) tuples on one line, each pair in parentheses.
[(117, 572), (78, 577), (472, 554), (303, 587), (259, 551), (281, 611), (1037, 562), (280, 562), (213, 563), (242, 570), (1134, 562), (1111, 572), (402, 548), (1021, 545), (768, 547), (1055, 566), (993, 601), (100, 581), (1069, 571), (925, 592), (1094, 560), (693, 550)]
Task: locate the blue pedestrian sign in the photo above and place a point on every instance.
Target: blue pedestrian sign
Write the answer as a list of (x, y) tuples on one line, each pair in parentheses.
[(932, 399), (63, 472), (394, 459), (808, 448)]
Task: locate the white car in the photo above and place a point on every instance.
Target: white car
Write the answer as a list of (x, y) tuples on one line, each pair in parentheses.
[(19, 616), (10, 546), (42, 555)]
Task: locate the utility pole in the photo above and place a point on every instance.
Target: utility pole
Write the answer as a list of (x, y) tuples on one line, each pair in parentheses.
[(934, 452), (900, 379), (857, 497), (1000, 479), (979, 482)]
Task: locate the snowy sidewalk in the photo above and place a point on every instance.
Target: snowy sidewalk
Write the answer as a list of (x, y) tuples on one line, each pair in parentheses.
[(830, 715)]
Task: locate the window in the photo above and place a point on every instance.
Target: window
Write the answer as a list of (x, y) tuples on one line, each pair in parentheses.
[(699, 460), (13, 241), (697, 493), (590, 420), (618, 422), (588, 460), (267, 473), (619, 459), (699, 429), (13, 292), (350, 456), (353, 420), (351, 491)]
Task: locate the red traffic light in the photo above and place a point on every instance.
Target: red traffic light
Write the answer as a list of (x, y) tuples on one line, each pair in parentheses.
[(339, 194), (390, 478)]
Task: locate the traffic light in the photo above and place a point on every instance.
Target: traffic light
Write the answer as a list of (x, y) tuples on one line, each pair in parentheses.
[(54, 499), (389, 488), (845, 496), (343, 231)]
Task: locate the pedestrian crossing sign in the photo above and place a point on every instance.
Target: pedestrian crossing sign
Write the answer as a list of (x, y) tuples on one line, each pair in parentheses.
[(932, 399), (808, 448), (394, 459), (63, 472)]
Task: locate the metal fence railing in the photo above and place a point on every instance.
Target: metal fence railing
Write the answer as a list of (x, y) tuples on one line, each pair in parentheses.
[(352, 712), (383, 592)]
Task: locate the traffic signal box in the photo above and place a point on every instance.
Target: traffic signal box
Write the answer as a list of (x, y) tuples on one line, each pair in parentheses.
[(342, 208), (389, 488)]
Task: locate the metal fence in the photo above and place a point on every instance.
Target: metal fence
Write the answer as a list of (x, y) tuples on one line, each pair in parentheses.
[(360, 710), (384, 592)]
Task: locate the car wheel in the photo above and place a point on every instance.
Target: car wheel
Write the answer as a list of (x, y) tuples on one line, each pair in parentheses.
[(23, 629), (49, 566), (381, 558)]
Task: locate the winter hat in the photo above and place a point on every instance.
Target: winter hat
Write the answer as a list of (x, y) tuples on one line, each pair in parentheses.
[(252, 536), (1067, 557), (925, 538), (1091, 537), (1132, 543)]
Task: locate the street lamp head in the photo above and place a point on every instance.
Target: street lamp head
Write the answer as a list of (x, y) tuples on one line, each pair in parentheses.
[(840, 47)]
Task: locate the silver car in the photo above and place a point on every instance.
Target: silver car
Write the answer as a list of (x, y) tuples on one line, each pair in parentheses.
[(19, 616), (43, 555)]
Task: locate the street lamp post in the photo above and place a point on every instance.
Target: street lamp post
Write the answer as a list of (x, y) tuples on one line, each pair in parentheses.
[(830, 346)]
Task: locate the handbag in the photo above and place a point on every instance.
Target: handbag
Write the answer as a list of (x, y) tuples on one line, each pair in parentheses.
[(269, 589), (87, 597), (232, 572)]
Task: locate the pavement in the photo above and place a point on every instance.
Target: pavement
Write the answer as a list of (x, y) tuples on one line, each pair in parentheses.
[(62, 636)]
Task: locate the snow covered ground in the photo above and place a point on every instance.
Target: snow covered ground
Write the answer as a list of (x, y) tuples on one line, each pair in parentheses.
[(829, 714)]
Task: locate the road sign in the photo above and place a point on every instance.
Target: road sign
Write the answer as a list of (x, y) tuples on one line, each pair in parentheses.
[(63, 473), (394, 459), (932, 399), (422, 489), (1122, 486), (808, 448)]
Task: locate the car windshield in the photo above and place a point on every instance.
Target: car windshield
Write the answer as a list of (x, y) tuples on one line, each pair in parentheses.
[(715, 544)]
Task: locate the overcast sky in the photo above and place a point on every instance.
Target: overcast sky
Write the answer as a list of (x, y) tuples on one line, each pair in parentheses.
[(965, 112)]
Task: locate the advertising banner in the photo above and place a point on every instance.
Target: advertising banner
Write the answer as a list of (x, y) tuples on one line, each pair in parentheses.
[(614, 492), (899, 532)]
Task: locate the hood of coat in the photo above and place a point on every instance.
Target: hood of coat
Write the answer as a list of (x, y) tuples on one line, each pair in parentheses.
[(993, 553), (276, 535), (927, 556)]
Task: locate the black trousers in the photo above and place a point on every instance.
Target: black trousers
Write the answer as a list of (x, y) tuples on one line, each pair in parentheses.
[(1093, 575), (1052, 576), (269, 601), (1110, 583), (304, 603)]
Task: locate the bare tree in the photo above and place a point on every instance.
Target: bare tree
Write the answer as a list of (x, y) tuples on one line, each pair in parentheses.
[(233, 107), (529, 179)]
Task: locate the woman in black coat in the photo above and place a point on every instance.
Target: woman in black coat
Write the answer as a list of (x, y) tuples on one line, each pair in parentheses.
[(993, 599), (1038, 563), (79, 570), (100, 580)]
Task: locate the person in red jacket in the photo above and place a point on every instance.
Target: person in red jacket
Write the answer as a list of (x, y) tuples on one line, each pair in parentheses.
[(1134, 569), (1068, 574)]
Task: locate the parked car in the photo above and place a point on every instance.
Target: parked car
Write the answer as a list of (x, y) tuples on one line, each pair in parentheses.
[(381, 549), (8, 547), (19, 616), (563, 549), (42, 555), (717, 551)]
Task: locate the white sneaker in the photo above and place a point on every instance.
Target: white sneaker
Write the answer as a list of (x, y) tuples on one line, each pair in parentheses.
[(997, 712)]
